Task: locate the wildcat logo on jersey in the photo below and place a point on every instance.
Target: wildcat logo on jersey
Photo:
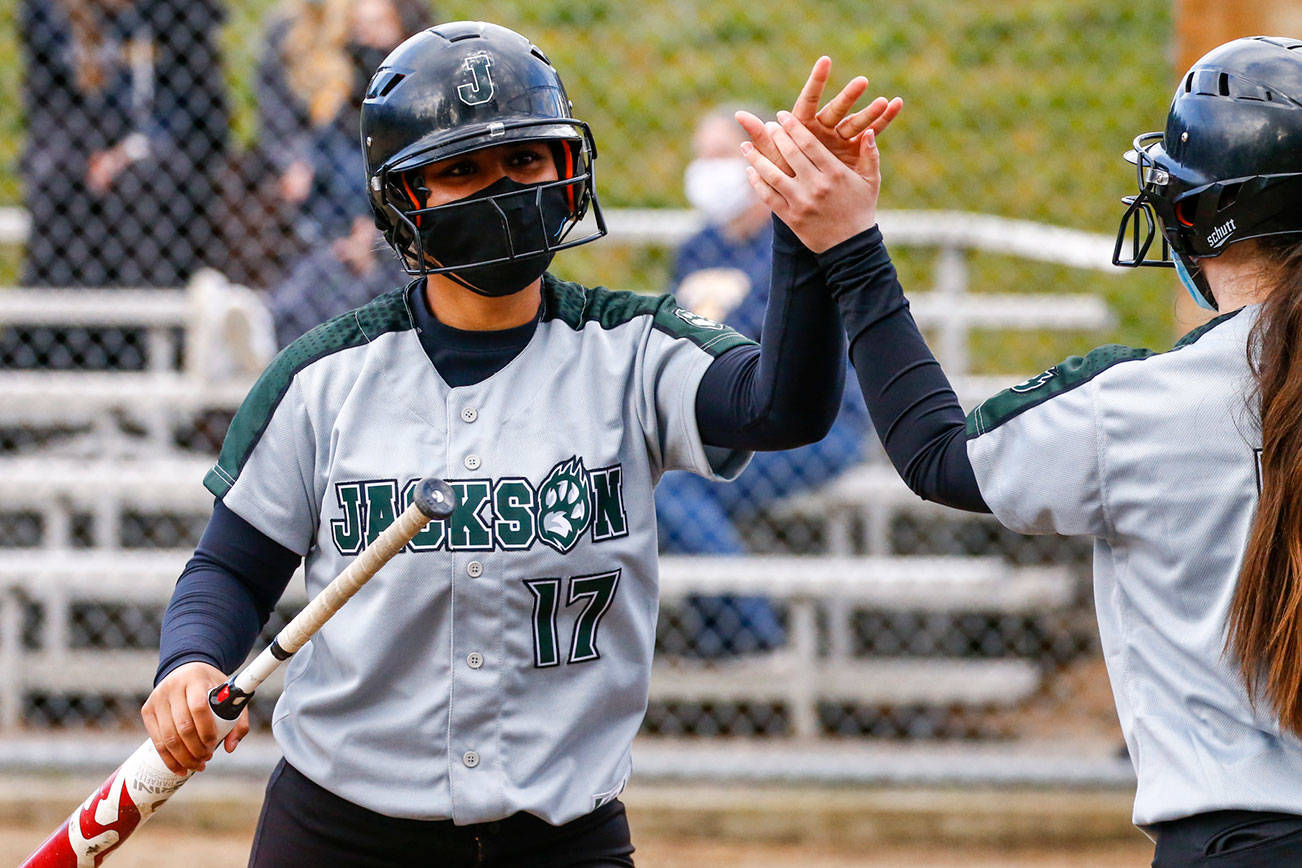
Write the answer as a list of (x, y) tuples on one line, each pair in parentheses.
[(508, 514), (564, 505)]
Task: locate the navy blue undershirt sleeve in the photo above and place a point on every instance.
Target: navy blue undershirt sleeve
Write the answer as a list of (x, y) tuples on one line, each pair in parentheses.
[(224, 596), (785, 392), (915, 411)]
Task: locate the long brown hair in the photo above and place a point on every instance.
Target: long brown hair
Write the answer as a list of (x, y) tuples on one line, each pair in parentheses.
[(313, 51), (86, 24), (1265, 619)]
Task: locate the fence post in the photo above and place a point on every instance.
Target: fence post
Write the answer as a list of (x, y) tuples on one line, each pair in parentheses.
[(11, 665), (55, 640), (951, 283), (804, 642), (56, 521)]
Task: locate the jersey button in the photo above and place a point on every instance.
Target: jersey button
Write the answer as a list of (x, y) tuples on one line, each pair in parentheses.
[(469, 414), (474, 659), (470, 758), (471, 462), (474, 569)]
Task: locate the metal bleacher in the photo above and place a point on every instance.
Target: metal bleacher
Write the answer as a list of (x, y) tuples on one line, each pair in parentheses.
[(123, 460)]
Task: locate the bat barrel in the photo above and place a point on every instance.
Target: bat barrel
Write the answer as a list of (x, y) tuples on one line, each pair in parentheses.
[(143, 782), (114, 811)]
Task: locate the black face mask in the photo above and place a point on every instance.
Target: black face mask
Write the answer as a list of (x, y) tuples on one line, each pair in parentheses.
[(474, 230)]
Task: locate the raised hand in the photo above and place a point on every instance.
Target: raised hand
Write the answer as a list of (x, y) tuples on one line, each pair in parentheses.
[(822, 198), (835, 127)]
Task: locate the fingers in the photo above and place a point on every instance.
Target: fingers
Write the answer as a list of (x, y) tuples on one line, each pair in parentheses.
[(877, 116), (770, 197), (856, 123), (236, 735), (156, 736), (205, 722), (179, 720), (761, 135), (893, 108), (795, 146), (753, 126), (870, 160), (162, 732), (802, 148), (771, 179), (806, 106), (832, 113), (185, 745)]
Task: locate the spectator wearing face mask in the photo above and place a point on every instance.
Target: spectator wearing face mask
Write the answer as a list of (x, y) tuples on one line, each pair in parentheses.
[(722, 272)]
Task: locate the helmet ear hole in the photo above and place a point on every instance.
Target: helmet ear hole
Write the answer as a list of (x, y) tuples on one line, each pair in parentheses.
[(1180, 213)]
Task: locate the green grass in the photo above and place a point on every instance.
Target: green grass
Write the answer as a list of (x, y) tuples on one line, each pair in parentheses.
[(1020, 108)]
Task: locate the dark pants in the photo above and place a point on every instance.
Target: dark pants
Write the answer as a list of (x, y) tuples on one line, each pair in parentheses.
[(1229, 839), (303, 824)]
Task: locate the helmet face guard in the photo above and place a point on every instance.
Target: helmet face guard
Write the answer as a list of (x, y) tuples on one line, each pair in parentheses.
[(1227, 167), (508, 222), (1144, 207), (458, 88)]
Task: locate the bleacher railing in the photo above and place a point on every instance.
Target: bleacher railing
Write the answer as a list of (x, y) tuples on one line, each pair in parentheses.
[(79, 558)]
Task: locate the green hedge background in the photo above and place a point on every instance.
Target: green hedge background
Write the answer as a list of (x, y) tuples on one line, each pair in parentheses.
[(1020, 108)]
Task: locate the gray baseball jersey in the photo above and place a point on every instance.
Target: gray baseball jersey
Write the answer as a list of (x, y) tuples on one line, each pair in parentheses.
[(1156, 457), (501, 664)]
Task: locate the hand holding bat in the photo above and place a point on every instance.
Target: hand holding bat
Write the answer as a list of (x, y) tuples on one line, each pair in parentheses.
[(198, 721)]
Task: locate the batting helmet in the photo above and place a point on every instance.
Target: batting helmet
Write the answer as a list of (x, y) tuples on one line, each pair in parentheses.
[(457, 88), (1228, 166)]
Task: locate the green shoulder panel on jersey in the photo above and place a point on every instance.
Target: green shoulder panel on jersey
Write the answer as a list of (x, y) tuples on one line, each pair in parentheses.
[(577, 305), (387, 313), (1063, 377)]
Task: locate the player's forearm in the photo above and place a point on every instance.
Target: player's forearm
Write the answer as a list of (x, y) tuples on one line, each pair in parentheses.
[(786, 392), (913, 407), (224, 595)]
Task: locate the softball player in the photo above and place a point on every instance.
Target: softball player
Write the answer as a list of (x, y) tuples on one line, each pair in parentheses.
[(1182, 465), (475, 704)]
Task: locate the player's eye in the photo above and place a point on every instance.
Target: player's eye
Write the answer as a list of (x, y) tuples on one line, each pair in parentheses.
[(522, 158), (457, 169)]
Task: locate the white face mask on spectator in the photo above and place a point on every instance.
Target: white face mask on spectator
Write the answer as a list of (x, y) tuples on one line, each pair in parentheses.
[(717, 187)]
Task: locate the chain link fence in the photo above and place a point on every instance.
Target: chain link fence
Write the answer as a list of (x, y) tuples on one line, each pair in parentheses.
[(182, 193)]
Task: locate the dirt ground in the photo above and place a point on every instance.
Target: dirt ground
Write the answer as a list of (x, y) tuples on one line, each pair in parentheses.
[(168, 847), (680, 825)]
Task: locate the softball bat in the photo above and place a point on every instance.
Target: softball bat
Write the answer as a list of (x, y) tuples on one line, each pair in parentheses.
[(143, 783)]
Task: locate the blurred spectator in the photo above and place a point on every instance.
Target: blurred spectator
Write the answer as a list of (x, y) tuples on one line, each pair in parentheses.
[(339, 276), (299, 185), (127, 127), (126, 124), (723, 272)]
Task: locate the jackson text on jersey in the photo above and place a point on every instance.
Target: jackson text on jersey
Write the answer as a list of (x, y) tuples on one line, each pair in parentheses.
[(509, 513)]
